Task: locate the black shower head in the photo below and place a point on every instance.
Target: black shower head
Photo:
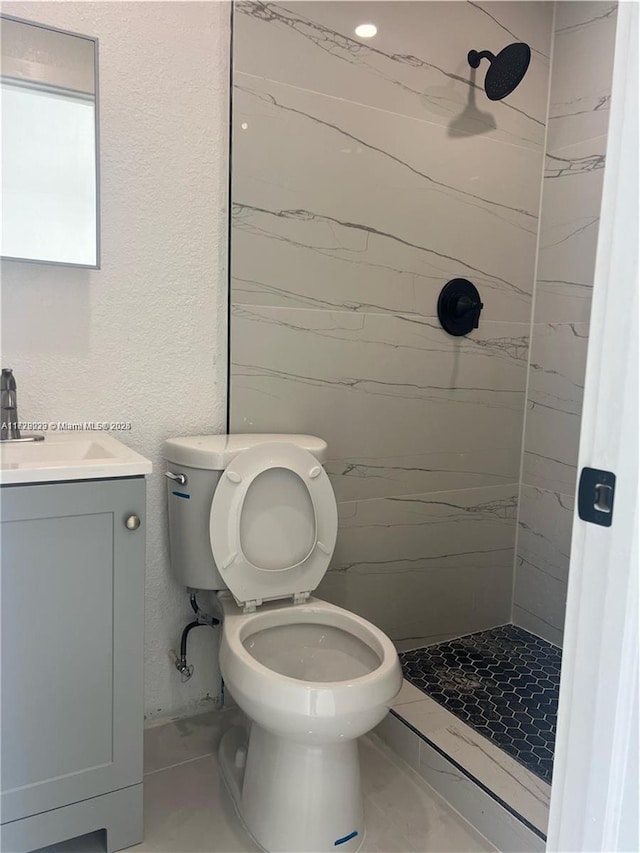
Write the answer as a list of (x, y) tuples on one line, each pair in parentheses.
[(506, 70)]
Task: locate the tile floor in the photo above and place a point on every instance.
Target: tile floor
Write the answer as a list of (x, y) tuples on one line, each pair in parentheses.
[(503, 682), (187, 807)]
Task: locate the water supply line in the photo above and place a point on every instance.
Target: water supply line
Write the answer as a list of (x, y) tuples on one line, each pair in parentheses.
[(202, 618)]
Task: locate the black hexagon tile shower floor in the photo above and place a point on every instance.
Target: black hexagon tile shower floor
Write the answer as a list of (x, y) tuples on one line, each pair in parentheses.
[(503, 682)]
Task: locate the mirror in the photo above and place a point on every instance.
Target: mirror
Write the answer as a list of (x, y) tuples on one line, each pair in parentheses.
[(49, 145)]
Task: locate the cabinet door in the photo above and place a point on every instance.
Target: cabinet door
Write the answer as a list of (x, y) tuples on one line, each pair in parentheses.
[(72, 642)]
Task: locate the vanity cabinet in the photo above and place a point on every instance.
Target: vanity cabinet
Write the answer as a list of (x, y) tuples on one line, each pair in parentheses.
[(72, 565)]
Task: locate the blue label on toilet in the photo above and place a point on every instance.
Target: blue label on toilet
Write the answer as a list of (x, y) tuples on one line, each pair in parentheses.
[(345, 838)]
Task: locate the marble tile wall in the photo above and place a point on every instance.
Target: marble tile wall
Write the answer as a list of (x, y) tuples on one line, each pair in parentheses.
[(580, 91), (365, 175)]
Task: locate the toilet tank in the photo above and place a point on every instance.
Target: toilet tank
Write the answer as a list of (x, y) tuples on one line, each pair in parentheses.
[(201, 459)]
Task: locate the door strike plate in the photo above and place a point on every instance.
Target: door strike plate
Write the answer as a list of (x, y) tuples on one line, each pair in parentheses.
[(595, 496)]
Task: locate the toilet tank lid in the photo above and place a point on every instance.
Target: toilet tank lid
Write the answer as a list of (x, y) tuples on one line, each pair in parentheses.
[(215, 452)]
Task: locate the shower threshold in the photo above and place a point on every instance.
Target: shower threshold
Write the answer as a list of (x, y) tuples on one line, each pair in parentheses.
[(487, 704)]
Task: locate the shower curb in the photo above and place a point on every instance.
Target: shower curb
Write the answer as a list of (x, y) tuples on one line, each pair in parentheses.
[(498, 822)]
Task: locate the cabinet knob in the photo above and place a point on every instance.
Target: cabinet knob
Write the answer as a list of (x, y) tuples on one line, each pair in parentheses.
[(132, 523)]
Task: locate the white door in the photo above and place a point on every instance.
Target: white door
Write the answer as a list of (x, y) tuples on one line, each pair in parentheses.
[(594, 797)]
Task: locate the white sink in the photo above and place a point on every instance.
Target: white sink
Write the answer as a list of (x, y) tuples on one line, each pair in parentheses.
[(68, 456), (26, 454)]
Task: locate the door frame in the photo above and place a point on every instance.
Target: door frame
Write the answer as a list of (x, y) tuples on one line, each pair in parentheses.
[(594, 794)]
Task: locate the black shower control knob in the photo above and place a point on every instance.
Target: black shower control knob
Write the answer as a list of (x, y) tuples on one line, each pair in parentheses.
[(459, 307), (464, 304)]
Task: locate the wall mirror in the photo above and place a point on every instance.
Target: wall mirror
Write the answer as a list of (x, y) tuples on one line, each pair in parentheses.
[(49, 93)]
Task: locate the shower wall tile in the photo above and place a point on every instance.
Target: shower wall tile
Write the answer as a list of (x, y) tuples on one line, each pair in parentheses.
[(337, 206), (545, 520), (554, 405), (404, 407), (426, 567), (582, 71), (572, 195), (416, 65), (541, 628), (366, 174), (580, 90)]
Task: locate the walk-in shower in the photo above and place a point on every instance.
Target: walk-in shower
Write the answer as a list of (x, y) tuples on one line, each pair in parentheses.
[(364, 179)]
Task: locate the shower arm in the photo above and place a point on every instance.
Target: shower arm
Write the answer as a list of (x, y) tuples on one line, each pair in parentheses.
[(474, 57)]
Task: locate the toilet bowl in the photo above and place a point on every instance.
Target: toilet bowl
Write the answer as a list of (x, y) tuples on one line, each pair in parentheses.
[(313, 672), (311, 677)]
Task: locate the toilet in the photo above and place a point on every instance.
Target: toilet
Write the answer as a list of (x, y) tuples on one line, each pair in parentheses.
[(254, 518)]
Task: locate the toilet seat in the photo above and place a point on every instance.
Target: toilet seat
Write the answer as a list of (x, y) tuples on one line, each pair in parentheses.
[(249, 583)]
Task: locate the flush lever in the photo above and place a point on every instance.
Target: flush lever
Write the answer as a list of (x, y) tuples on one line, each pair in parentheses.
[(179, 478)]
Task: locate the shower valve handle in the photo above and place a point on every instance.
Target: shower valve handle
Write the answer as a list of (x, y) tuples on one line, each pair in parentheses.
[(459, 307), (463, 305)]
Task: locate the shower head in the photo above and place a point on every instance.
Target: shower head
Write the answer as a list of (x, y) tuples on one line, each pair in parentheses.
[(506, 70)]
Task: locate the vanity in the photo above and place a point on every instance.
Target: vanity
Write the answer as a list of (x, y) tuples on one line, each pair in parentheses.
[(72, 507), (72, 555)]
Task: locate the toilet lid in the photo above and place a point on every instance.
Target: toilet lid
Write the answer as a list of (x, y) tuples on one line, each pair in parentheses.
[(273, 523)]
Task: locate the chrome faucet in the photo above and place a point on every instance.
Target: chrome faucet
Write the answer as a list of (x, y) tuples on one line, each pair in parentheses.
[(9, 429), (9, 407)]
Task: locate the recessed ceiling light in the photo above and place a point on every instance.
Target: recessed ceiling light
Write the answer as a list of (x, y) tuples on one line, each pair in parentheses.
[(366, 31)]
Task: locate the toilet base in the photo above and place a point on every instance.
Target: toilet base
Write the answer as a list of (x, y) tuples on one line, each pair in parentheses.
[(295, 797)]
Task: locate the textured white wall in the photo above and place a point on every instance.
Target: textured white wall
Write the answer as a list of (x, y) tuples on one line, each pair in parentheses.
[(144, 338)]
